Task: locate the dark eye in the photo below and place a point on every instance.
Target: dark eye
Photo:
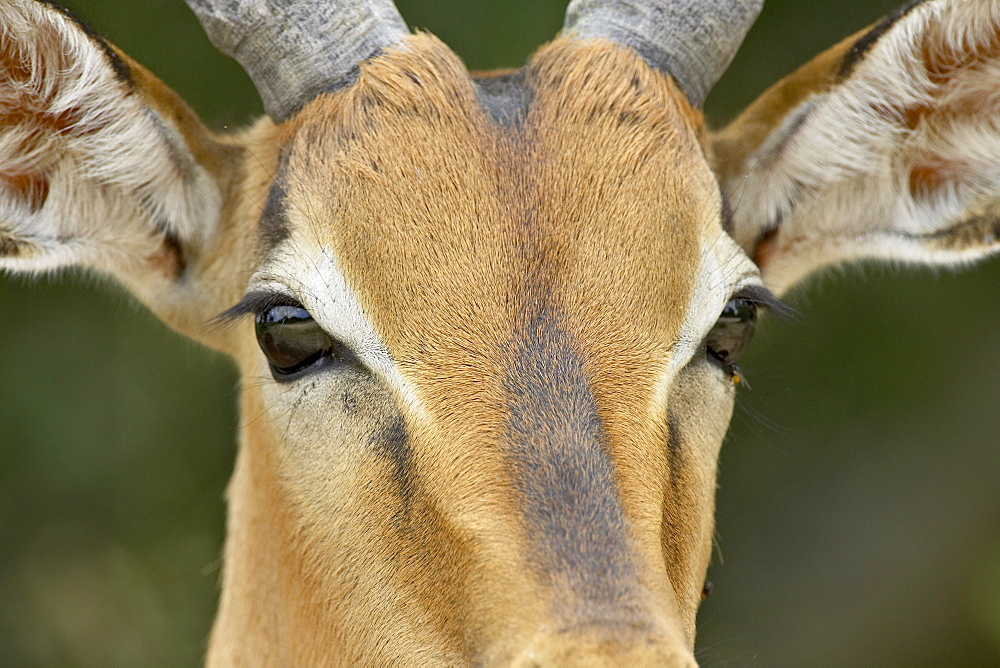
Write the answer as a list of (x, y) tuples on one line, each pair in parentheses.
[(731, 335), (292, 341)]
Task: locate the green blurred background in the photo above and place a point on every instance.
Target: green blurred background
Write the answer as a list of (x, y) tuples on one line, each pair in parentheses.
[(859, 507)]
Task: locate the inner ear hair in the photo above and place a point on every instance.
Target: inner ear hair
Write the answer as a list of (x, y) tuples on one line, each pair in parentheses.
[(884, 147)]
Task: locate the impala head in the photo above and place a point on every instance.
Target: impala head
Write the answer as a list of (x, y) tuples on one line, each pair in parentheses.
[(486, 325)]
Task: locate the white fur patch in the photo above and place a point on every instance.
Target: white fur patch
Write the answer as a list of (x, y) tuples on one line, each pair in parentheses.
[(111, 174), (844, 176), (724, 270), (316, 280)]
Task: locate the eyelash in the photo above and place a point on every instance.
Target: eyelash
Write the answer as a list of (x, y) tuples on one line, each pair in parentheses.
[(256, 304), (732, 333)]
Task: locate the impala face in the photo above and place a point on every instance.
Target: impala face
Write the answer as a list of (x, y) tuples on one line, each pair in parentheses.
[(500, 364), (487, 326)]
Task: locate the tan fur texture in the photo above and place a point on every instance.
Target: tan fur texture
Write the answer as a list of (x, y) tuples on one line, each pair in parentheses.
[(449, 227), (518, 467)]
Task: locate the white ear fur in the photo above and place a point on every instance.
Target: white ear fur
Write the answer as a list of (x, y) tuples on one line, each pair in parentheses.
[(89, 174), (897, 158)]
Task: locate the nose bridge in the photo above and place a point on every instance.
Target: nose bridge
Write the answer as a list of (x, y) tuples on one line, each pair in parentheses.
[(602, 594), (563, 472)]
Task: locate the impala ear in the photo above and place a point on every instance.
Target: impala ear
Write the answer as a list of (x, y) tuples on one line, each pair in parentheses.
[(886, 146), (101, 165)]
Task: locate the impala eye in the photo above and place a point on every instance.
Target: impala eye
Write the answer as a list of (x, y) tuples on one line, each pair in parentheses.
[(731, 335), (292, 341)]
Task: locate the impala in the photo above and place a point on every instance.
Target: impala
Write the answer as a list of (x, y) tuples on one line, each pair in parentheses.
[(497, 317)]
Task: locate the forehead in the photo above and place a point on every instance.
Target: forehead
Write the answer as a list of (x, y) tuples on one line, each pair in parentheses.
[(452, 205)]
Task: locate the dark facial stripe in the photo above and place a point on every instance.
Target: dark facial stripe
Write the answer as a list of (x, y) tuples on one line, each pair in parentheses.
[(727, 212), (505, 98), (675, 449), (864, 45), (562, 468), (392, 443), (273, 226)]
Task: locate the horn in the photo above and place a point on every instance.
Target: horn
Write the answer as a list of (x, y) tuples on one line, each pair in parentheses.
[(294, 50), (692, 40)]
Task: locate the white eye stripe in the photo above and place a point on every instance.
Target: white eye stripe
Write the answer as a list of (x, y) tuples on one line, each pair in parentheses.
[(724, 270), (322, 289)]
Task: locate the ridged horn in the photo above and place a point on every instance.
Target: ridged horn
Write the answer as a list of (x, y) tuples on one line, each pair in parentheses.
[(692, 40), (293, 50)]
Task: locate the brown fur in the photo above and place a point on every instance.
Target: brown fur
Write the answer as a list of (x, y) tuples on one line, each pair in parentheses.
[(446, 225), (534, 288)]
